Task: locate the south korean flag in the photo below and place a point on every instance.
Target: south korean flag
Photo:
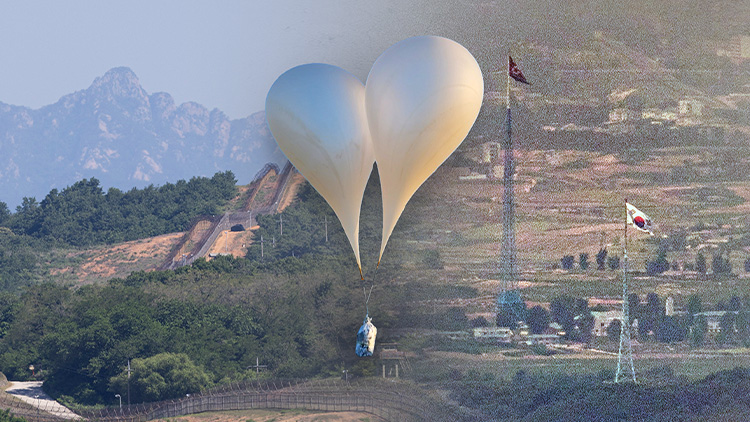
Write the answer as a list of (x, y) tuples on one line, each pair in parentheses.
[(639, 219)]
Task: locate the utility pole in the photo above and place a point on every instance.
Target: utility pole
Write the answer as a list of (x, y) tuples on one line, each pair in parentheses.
[(128, 382), (326, 224), (261, 246), (257, 365), (281, 224)]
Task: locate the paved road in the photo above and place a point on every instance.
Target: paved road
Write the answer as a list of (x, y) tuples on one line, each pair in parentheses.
[(31, 392)]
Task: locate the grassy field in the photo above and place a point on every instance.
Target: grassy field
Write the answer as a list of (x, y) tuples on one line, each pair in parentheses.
[(439, 365)]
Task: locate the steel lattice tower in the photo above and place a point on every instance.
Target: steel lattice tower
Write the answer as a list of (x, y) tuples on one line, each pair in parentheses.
[(509, 298), (508, 265), (625, 352)]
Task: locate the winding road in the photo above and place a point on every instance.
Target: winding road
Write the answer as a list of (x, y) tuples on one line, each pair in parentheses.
[(31, 392)]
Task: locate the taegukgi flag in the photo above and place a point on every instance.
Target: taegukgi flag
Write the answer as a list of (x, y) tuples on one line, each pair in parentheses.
[(639, 219)]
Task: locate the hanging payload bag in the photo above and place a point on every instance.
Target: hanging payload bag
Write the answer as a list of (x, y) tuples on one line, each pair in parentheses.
[(366, 338)]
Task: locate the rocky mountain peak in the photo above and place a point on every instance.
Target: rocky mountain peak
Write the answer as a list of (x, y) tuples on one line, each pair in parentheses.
[(117, 132), (119, 82)]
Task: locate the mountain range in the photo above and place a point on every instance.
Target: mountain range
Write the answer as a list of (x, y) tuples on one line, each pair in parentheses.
[(125, 137)]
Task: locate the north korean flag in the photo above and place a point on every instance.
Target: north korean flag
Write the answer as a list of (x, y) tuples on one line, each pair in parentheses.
[(515, 72)]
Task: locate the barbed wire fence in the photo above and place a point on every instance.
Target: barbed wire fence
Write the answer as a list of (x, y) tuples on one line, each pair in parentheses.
[(387, 399)]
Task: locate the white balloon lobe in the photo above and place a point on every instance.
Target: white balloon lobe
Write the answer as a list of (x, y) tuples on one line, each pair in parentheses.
[(316, 113), (422, 97)]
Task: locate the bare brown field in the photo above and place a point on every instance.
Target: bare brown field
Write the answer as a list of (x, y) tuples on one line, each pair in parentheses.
[(119, 260), (278, 416), (234, 243)]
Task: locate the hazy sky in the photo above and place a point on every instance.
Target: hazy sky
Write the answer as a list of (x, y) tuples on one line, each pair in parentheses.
[(223, 54)]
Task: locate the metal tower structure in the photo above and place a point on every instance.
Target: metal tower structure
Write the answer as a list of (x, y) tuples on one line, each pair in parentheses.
[(625, 352), (509, 298), (508, 265)]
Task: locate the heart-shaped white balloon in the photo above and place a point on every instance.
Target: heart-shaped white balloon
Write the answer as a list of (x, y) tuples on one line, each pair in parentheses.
[(316, 112), (422, 97)]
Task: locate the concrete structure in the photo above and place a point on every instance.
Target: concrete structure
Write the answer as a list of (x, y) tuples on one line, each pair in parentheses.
[(737, 48), (602, 321), (690, 107), (713, 320), (494, 334), (392, 359), (669, 306), (621, 115), (545, 339)]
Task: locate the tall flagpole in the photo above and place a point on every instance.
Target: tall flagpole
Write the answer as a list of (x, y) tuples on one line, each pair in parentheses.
[(625, 352), (509, 296)]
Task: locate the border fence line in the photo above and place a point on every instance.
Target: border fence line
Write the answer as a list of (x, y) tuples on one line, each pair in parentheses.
[(387, 399)]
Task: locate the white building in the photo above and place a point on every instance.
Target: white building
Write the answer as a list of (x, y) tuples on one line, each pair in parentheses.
[(737, 48), (690, 107), (713, 320), (494, 334), (602, 321), (545, 339), (618, 115)]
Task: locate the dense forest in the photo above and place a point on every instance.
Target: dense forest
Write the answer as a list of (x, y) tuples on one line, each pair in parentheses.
[(221, 315), (83, 214), (660, 396)]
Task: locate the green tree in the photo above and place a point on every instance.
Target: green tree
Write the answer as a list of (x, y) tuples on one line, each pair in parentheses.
[(537, 318), (511, 309), (4, 212), (454, 319), (694, 306), (566, 262), (700, 264), (726, 327), (160, 377), (432, 260), (634, 306), (698, 331), (601, 259), (721, 265), (613, 330), (742, 324), (658, 266), (7, 416), (670, 330), (583, 261), (613, 262)]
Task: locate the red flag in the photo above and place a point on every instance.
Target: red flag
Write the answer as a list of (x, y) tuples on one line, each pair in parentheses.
[(515, 72)]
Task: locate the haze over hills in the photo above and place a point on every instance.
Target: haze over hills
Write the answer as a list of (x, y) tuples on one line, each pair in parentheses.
[(120, 134)]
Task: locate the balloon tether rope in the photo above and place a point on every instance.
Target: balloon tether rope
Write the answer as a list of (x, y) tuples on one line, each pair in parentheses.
[(367, 298)]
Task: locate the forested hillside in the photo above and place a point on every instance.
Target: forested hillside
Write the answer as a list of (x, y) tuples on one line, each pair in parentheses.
[(296, 309), (83, 215)]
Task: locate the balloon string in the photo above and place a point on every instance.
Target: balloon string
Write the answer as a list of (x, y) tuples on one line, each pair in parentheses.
[(367, 298)]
